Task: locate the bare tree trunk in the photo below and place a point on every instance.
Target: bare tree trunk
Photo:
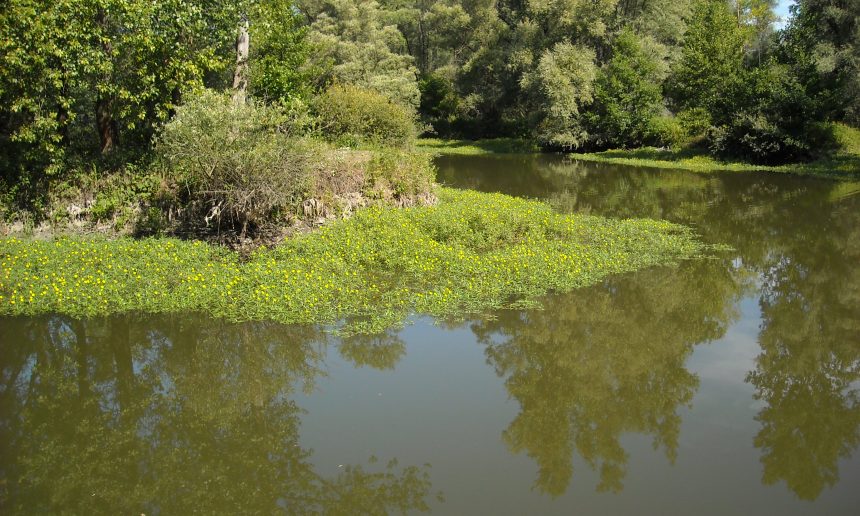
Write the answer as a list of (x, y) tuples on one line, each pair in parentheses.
[(240, 76)]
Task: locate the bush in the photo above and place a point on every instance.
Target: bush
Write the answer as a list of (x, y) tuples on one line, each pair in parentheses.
[(400, 174), (350, 115), (232, 161), (665, 131), (769, 120), (696, 121)]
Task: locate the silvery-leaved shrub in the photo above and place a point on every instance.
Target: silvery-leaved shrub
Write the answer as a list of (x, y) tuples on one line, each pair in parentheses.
[(235, 164)]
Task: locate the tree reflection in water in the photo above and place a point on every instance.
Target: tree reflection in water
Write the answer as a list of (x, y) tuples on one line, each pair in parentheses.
[(798, 238), (176, 415), (605, 361), (809, 367), (171, 415)]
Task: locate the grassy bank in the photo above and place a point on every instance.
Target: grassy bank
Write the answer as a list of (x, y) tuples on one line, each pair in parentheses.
[(840, 166), (470, 253), (843, 164), (477, 147)]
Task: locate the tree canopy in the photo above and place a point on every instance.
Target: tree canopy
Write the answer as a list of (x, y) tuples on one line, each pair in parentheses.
[(84, 78)]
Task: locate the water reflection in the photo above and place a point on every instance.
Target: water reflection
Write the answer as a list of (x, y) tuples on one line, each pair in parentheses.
[(809, 366), (171, 415), (174, 414), (605, 361), (797, 244)]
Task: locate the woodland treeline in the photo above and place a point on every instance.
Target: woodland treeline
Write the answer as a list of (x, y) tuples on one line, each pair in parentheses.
[(92, 81)]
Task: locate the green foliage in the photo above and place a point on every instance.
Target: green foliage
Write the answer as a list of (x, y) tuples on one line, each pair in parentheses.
[(560, 85), (665, 131), (769, 119), (68, 63), (471, 253), (399, 174), (476, 147), (441, 106), (353, 45), (711, 59), (696, 121), (848, 138), (627, 97), (232, 160), (278, 52), (822, 44), (352, 115), (843, 165)]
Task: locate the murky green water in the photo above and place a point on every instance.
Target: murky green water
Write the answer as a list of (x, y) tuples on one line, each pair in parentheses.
[(721, 386)]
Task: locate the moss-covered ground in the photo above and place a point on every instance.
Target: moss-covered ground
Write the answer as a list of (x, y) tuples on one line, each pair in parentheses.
[(470, 253)]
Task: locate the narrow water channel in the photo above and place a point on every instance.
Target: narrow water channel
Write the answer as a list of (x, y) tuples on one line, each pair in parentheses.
[(728, 385)]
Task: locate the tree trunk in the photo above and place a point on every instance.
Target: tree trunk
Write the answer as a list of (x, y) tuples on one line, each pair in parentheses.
[(240, 76), (107, 126)]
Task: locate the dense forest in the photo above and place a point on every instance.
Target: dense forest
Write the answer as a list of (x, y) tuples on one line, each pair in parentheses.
[(90, 84)]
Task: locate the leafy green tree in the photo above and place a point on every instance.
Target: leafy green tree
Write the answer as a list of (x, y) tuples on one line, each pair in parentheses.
[(354, 45), (711, 60), (822, 43), (663, 20), (560, 85), (627, 95), (83, 72), (768, 117), (434, 30), (279, 51)]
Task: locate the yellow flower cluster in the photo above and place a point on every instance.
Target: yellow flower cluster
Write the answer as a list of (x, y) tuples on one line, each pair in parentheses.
[(471, 253)]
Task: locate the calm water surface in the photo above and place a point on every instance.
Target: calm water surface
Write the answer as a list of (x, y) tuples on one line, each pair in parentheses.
[(728, 385)]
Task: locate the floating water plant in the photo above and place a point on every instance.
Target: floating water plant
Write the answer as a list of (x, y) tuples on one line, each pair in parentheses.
[(471, 253)]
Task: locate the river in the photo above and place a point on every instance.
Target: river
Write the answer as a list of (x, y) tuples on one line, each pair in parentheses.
[(725, 385)]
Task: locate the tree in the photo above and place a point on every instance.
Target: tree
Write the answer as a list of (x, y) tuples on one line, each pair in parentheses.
[(279, 52), (79, 73), (627, 95), (711, 59), (354, 45), (560, 85), (822, 43)]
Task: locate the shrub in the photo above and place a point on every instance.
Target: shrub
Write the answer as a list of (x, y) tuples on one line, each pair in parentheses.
[(233, 162), (769, 120), (665, 131), (400, 174), (351, 115), (696, 121)]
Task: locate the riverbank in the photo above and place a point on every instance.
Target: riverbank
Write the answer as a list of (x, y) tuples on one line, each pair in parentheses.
[(471, 253), (477, 147), (843, 164)]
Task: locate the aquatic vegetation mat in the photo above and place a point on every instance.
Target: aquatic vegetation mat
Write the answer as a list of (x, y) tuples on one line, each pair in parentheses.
[(471, 253)]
